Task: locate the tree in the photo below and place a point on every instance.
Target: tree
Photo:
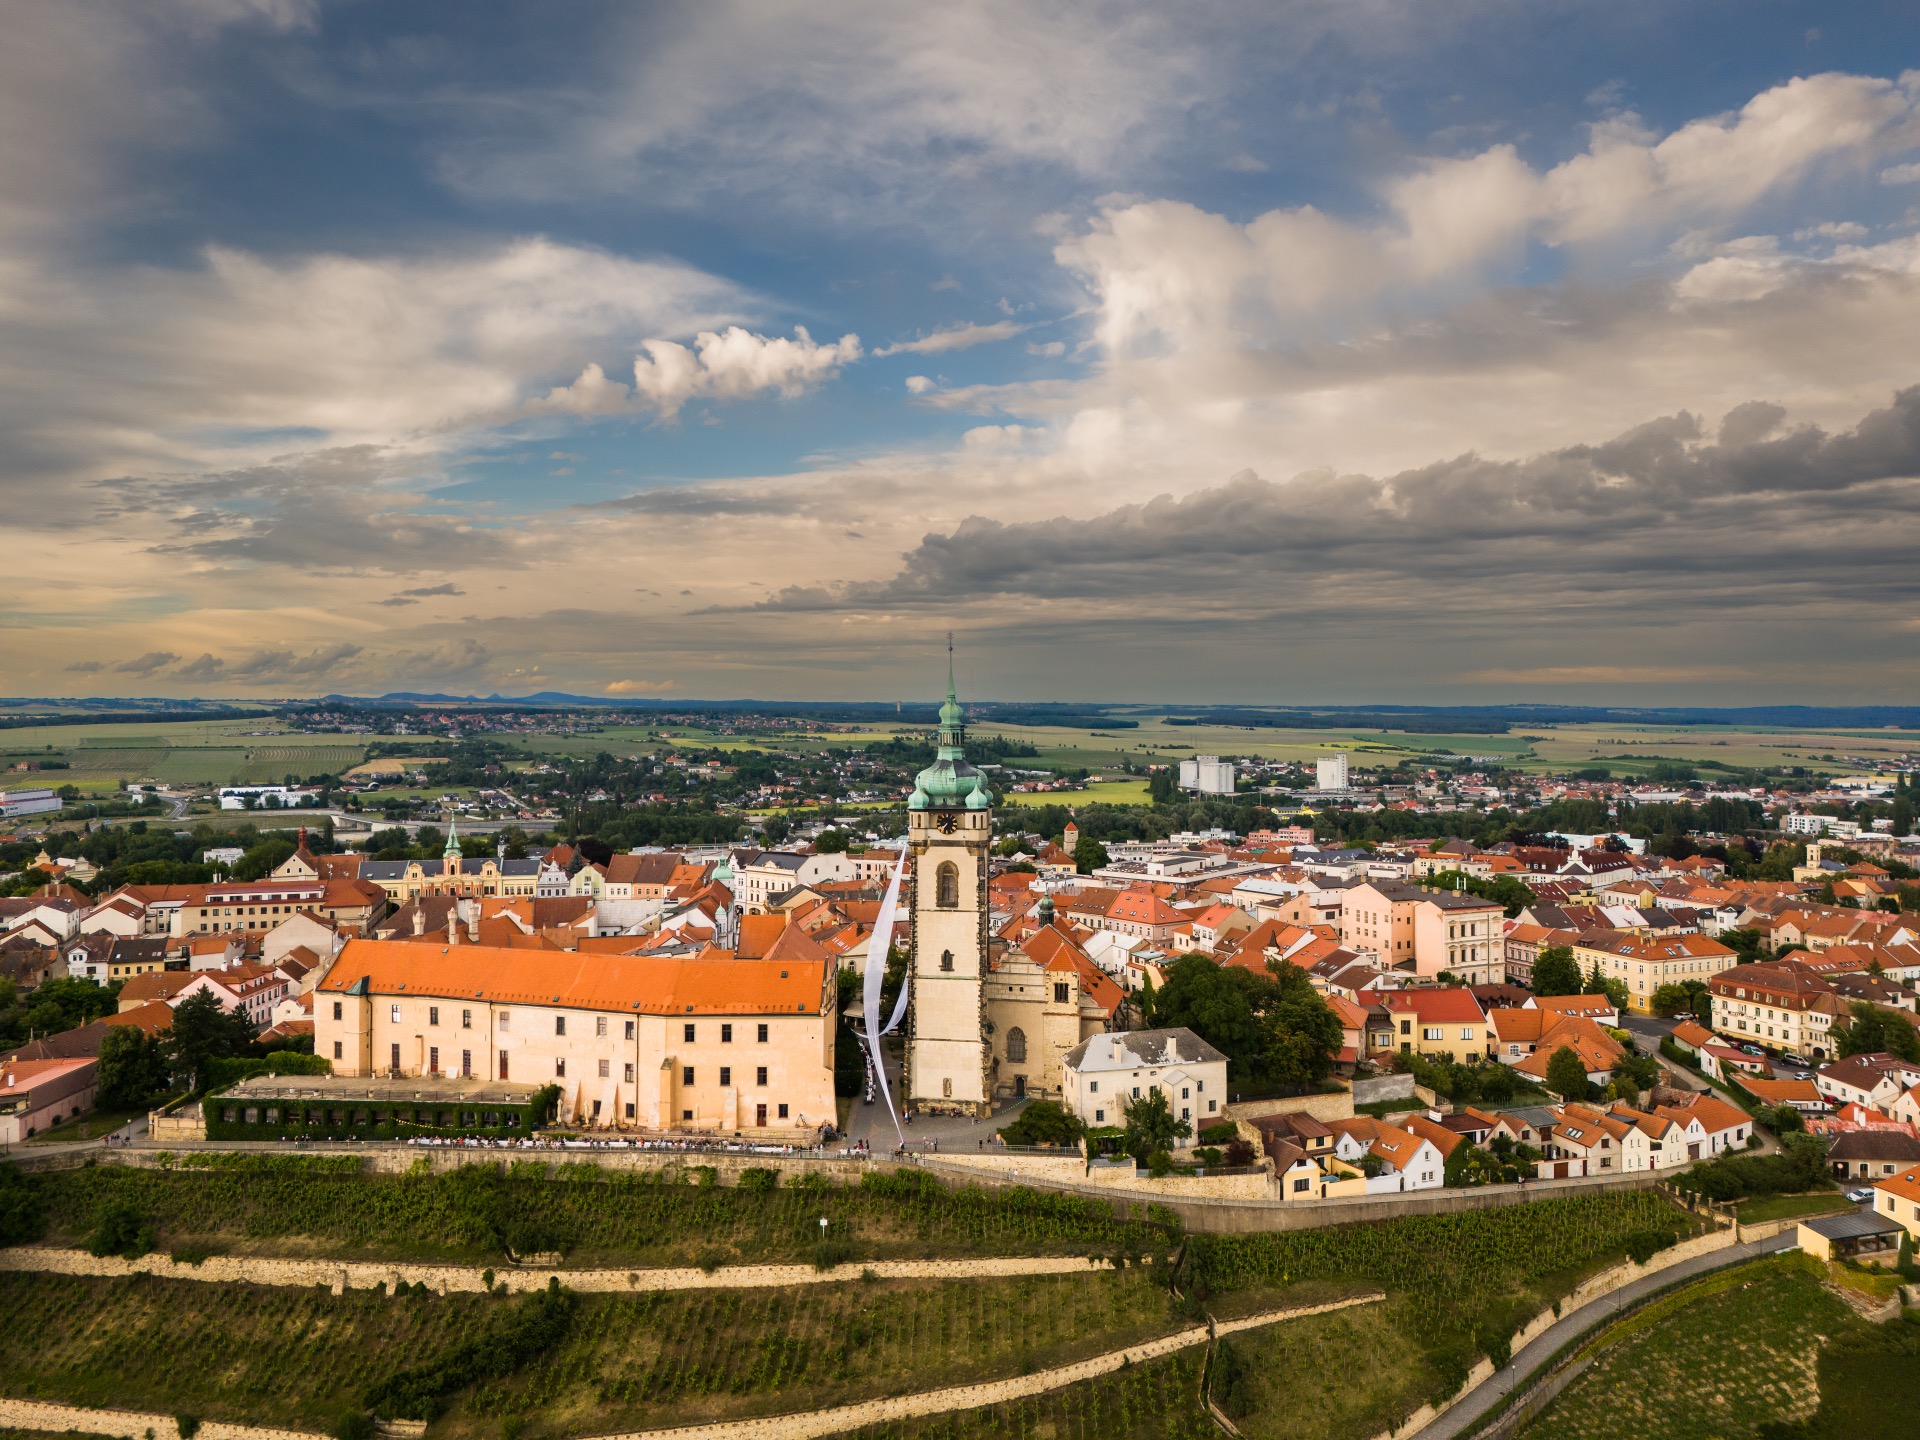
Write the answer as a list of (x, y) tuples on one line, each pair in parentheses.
[(1089, 855), (1151, 1127), (1273, 1028), (204, 1031), (831, 842), (1162, 787), (132, 1069), (1567, 1074), (1688, 997), (1043, 1122), (1556, 972), (1869, 1030)]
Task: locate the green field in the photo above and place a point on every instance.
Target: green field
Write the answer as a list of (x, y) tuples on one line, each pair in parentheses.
[(207, 752), (1763, 1345)]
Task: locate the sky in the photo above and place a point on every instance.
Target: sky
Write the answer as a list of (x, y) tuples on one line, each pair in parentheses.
[(1278, 352)]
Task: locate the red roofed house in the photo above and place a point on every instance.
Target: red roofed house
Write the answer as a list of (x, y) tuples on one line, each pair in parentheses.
[(1439, 1021), (38, 1094)]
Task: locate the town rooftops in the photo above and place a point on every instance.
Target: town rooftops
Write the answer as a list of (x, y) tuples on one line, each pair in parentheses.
[(1141, 1049), (1885, 1145), (641, 984)]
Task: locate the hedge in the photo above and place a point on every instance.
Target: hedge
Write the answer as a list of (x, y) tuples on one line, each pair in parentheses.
[(340, 1119)]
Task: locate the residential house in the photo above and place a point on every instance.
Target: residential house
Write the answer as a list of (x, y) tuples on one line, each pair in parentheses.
[(1438, 1021), (1105, 1073), (1875, 1081), (1800, 1094), (36, 1095), (1872, 1154), (250, 989), (1898, 1198)]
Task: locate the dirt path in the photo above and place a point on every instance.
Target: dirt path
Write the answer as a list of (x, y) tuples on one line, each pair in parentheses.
[(339, 1275), (843, 1418)]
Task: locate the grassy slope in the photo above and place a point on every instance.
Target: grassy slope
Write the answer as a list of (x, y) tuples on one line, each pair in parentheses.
[(1714, 1368), (632, 1361), (629, 1362), (295, 1207)]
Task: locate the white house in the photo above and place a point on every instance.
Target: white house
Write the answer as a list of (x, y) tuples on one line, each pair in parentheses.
[(1104, 1074), (1875, 1081)]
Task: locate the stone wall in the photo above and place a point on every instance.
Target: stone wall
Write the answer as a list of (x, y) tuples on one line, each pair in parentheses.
[(1323, 1108), (342, 1275), (1382, 1087)]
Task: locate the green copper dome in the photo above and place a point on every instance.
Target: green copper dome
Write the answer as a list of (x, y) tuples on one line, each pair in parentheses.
[(950, 783)]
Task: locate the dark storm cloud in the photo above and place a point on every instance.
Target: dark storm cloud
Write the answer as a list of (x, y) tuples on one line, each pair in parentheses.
[(1755, 514)]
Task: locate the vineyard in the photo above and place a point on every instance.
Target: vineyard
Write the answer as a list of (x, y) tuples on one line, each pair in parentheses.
[(299, 1205), (558, 1364), (1155, 1401), (298, 1357)]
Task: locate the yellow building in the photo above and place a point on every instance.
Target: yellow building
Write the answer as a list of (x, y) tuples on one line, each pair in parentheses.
[(1643, 963), (720, 1046)]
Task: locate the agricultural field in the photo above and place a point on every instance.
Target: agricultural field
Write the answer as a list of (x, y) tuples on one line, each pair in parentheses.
[(206, 752), (1733, 1353), (1155, 1401)]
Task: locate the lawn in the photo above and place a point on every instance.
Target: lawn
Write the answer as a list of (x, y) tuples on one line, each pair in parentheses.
[(1716, 1361), (91, 1126), (1782, 1207), (297, 1357), (1099, 792)]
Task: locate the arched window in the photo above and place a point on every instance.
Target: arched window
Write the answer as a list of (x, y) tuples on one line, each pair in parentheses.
[(947, 886), (1017, 1045), (946, 959)]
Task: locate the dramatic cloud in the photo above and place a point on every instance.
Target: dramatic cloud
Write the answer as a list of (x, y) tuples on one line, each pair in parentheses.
[(730, 365), (1760, 518)]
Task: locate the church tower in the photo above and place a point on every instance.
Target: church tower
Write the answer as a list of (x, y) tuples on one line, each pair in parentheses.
[(949, 831)]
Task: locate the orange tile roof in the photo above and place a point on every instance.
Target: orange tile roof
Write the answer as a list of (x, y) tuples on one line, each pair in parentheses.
[(588, 981)]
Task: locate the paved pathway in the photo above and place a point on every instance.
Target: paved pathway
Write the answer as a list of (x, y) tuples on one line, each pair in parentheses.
[(1477, 1402), (363, 1275), (58, 1419), (844, 1418)]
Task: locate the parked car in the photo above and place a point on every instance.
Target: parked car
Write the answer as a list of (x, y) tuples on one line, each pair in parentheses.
[(1860, 1197)]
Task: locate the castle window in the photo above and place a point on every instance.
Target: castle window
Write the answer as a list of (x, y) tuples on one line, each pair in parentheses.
[(1017, 1045), (947, 886), (946, 959)]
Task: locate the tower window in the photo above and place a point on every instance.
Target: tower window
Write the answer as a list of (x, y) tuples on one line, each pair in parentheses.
[(1017, 1045), (946, 959), (947, 886)]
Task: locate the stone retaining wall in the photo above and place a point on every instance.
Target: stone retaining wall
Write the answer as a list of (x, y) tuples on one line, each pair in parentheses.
[(136, 1425), (338, 1275)]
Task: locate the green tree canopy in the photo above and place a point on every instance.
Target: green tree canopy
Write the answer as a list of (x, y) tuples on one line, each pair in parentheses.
[(1556, 972), (1869, 1030), (1567, 1074), (132, 1069), (1088, 855), (1151, 1127), (204, 1031), (1274, 1029), (1043, 1122)]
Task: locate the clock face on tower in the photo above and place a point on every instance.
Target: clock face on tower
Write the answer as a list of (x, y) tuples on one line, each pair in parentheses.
[(947, 822)]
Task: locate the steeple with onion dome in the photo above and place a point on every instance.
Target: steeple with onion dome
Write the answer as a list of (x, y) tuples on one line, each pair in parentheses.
[(950, 783)]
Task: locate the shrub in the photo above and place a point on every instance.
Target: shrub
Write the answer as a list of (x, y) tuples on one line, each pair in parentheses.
[(759, 1179), (120, 1232), (1219, 1133), (1240, 1153), (1159, 1164), (188, 1426), (23, 1211), (352, 1425), (830, 1253), (1643, 1245), (1206, 1155), (517, 1336)]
